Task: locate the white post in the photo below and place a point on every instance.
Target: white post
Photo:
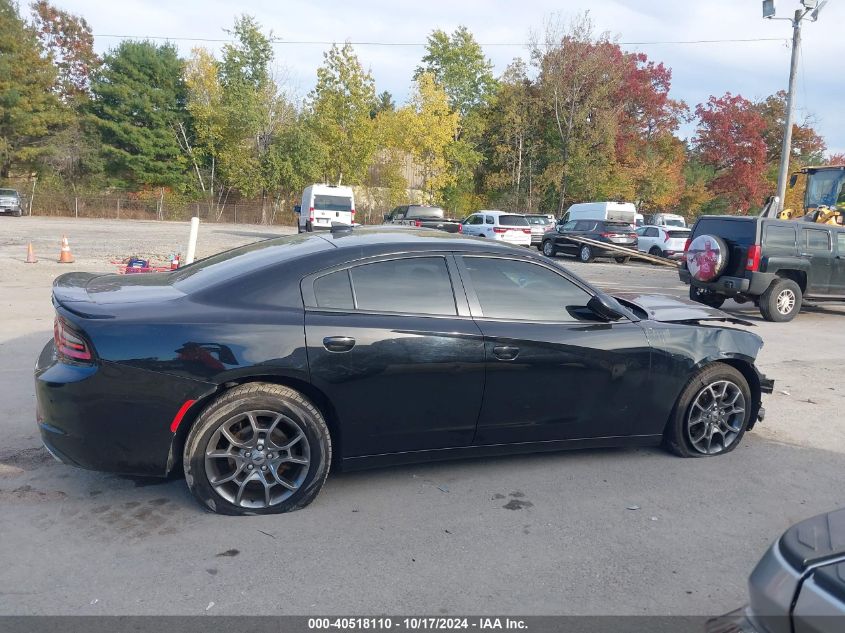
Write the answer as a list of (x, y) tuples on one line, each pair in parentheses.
[(192, 240)]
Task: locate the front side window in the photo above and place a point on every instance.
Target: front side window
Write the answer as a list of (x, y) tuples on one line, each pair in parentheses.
[(416, 285), (523, 291), (570, 226)]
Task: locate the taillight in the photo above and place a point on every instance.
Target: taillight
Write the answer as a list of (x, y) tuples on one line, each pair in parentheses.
[(311, 213), (687, 243), (460, 228), (499, 229), (527, 231), (68, 343), (606, 235), (752, 261), (353, 215), (666, 239), (418, 223)]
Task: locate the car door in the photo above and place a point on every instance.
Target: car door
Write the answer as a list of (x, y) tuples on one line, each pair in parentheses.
[(554, 372), (395, 351), (489, 224), (837, 277), (817, 247), (471, 224), (563, 245)]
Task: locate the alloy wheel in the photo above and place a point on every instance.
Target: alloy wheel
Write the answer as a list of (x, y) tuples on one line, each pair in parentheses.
[(715, 417), (548, 249), (257, 459), (586, 253), (786, 301)]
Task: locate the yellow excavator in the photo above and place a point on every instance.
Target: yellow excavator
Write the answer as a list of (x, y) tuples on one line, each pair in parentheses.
[(824, 196)]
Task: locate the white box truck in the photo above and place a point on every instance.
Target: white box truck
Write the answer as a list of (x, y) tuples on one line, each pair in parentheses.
[(322, 205), (606, 211)]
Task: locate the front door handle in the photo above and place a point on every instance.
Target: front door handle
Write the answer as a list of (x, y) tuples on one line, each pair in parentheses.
[(338, 343), (506, 352)]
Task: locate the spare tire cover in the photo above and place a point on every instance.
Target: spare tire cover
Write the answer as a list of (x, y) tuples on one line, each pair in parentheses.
[(706, 257)]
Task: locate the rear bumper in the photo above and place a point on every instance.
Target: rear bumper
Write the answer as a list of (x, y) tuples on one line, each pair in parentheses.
[(754, 283), (109, 417)]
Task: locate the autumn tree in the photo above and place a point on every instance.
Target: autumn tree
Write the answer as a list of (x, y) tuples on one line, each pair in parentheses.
[(579, 78), (808, 146), (30, 111), (729, 138), (68, 41), (340, 107)]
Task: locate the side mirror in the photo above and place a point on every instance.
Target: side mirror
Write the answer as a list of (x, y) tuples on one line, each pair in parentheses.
[(793, 180), (604, 307), (297, 209)]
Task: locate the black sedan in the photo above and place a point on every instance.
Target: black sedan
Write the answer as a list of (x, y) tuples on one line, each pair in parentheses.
[(256, 369)]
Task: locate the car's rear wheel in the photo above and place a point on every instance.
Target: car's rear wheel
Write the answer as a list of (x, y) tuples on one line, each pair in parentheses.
[(655, 250), (706, 297), (585, 253), (549, 249), (711, 414), (309, 228), (781, 301), (258, 449)]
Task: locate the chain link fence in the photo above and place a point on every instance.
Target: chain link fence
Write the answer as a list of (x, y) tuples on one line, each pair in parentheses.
[(119, 208)]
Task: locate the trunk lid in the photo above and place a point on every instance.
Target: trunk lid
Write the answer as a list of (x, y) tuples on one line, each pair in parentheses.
[(92, 294)]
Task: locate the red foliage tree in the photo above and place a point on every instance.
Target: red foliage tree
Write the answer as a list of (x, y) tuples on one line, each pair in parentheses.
[(730, 139), (835, 159)]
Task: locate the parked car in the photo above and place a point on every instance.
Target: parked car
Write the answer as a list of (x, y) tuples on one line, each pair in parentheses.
[(774, 263), (799, 584), (251, 369), (539, 225), (618, 233), (10, 202), (606, 211), (422, 216), (502, 226), (662, 241), (666, 219), (324, 205)]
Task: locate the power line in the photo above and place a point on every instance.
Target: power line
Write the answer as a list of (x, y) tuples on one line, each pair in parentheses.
[(423, 44)]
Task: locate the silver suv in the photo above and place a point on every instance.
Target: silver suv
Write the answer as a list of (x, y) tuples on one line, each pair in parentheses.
[(10, 202)]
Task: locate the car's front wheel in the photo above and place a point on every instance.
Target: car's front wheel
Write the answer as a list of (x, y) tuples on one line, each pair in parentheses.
[(781, 301), (258, 449), (585, 254), (622, 260), (711, 414), (549, 249)]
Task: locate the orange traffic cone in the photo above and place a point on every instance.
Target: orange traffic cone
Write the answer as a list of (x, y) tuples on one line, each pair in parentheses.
[(65, 256), (30, 255)]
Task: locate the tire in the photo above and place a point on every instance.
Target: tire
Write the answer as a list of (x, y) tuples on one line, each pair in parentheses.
[(549, 249), (781, 301), (655, 250), (18, 213), (687, 431), (309, 228), (706, 297), (302, 429), (622, 260), (585, 254)]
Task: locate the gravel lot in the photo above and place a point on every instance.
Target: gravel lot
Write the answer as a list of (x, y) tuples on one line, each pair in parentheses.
[(431, 539)]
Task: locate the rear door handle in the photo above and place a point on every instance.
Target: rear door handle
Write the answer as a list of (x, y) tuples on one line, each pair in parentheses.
[(506, 352), (338, 343)]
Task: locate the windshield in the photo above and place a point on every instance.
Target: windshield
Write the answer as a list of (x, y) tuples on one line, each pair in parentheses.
[(673, 222), (825, 188), (332, 203), (435, 213), (9, 192), (512, 220)]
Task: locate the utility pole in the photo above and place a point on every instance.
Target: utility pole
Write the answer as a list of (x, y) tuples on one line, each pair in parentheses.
[(811, 8)]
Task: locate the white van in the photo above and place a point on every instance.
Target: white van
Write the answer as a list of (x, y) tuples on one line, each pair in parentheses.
[(607, 211), (667, 219), (323, 205)]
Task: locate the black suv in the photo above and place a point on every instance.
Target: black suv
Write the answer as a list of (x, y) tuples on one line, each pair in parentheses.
[(774, 263), (617, 233)]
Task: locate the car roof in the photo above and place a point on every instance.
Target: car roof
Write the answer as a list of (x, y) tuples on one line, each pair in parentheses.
[(497, 212)]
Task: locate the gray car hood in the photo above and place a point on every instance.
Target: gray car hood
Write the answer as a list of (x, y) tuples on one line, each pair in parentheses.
[(674, 309)]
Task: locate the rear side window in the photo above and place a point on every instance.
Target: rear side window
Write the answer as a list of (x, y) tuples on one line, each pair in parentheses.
[(651, 232), (334, 291), (585, 225), (522, 291), (417, 285), (512, 220), (817, 240), (489, 219), (738, 231), (332, 203), (434, 213), (779, 236)]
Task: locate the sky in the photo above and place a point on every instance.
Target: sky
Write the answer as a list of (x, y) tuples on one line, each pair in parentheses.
[(752, 69)]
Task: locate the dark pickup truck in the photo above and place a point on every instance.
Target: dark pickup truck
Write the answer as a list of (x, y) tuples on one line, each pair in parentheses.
[(424, 217), (774, 263)]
